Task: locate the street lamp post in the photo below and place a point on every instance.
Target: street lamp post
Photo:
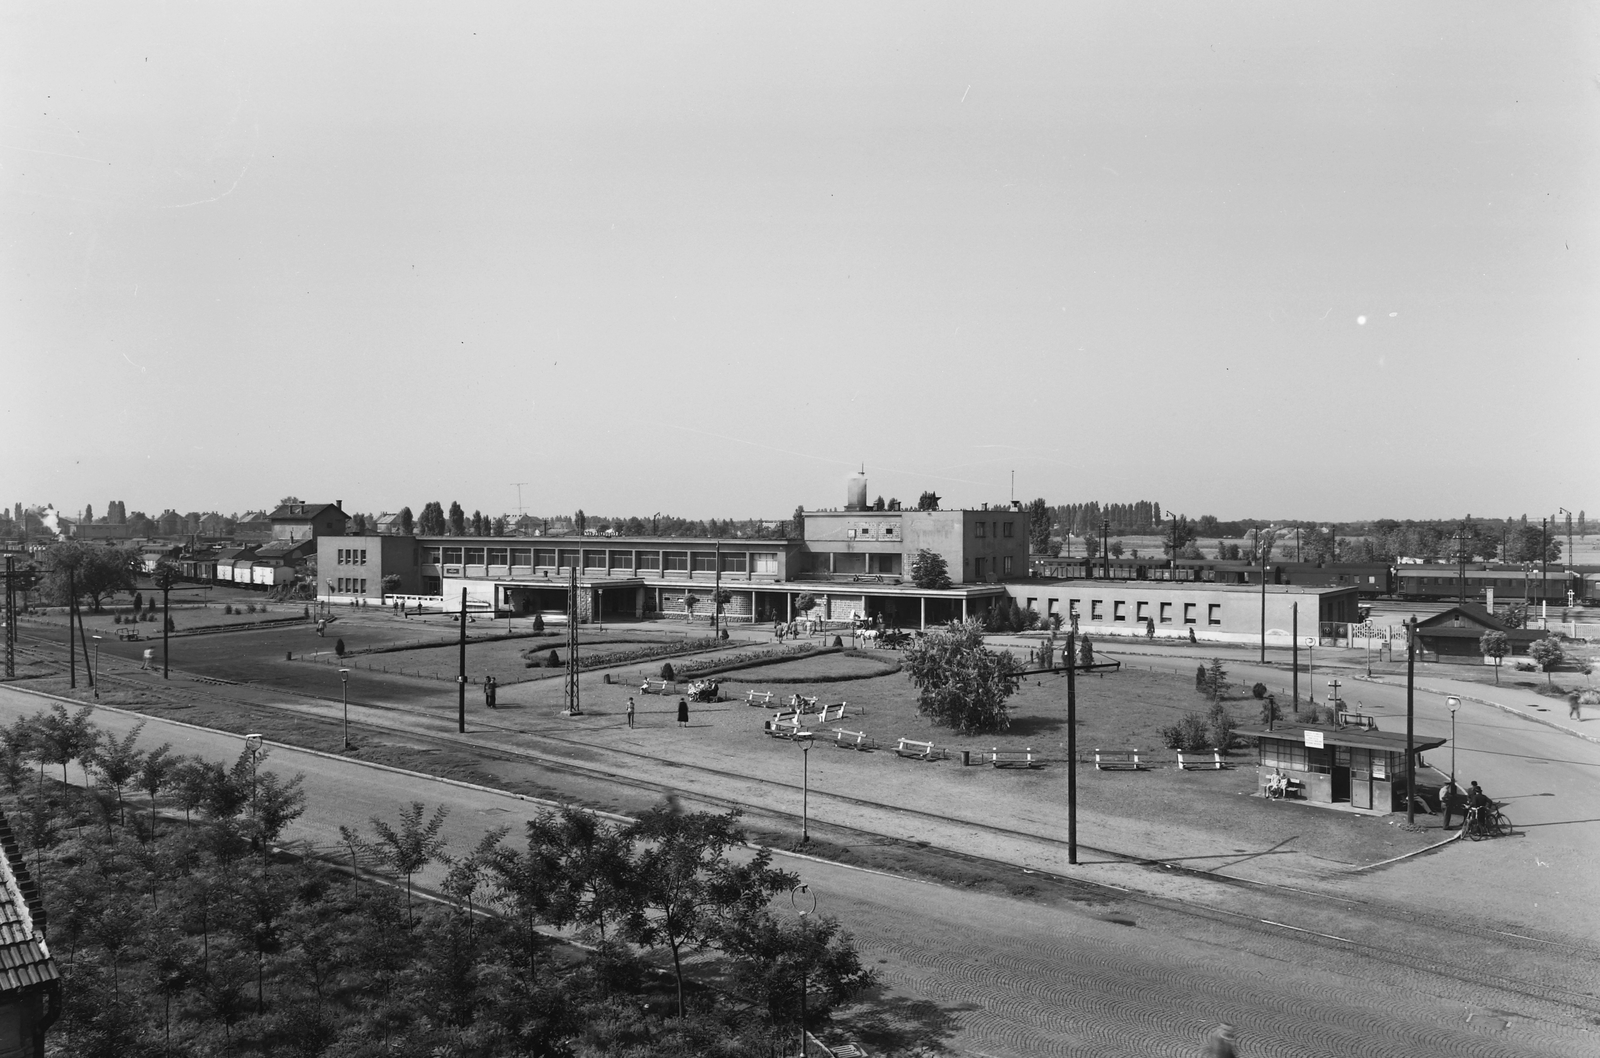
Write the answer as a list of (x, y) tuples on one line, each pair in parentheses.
[(796, 902), (1454, 703), (344, 699), (804, 738)]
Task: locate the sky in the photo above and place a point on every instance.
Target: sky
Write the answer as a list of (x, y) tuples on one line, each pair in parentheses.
[(1318, 261)]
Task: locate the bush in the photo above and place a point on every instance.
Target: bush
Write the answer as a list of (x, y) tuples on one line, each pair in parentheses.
[(553, 661), (170, 626), (1259, 690), (338, 647), (838, 642), (1270, 710), (307, 612), (666, 672), (538, 622), (1200, 678), (227, 608), (1188, 735)]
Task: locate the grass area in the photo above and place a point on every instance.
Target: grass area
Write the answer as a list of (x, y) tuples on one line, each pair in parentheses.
[(827, 668)]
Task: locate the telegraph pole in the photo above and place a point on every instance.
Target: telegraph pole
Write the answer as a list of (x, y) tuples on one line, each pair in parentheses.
[(1072, 740), (1411, 760), (72, 647), (11, 618), (461, 676)]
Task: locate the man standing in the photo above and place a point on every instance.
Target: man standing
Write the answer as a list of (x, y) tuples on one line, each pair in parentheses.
[(683, 712), (489, 687), (630, 713), (1449, 801)]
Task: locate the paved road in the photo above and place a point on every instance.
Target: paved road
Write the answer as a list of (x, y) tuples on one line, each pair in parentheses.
[(988, 975)]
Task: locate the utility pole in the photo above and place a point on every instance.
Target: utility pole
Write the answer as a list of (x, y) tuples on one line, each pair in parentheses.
[(1072, 739), (72, 609), (1411, 759), (11, 618), (574, 704), (461, 674), (1105, 551), (1544, 571), (1295, 635)]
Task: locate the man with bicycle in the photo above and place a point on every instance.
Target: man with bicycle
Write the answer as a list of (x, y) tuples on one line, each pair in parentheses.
[(1480, 810)]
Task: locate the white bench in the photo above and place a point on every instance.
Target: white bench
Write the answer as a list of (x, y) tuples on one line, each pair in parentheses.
[(1014, 758), (910, 747), (655, 685), (852, 739), (758, 697), (801, 704), (1117, 760), (779, 727), (832, 713), (1197, 761)]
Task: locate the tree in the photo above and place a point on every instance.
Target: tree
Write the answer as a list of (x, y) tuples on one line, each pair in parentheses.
[(1547, 654), (391, 583), (778, 962), (155, 774), (458, 520), (1214, 681), (1524, 545), (406, 524), (358, 524), (961, 683), (928, 501), (1091, 545), (499, 526), (118, 763), (687, 888), (805, 603), (1495, 645), (1085, 651), (432, 522), (797, 523), (929, 570), (477, 524), (580, 521), (1041, 521), (1181, 533), (95, 572), (1116, 549), (878, 504), (413, 846)]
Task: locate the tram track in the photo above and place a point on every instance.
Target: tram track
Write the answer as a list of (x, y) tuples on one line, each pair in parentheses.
[(1271, 931)]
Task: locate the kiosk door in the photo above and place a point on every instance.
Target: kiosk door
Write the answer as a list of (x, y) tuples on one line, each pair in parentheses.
[(1341, 773)]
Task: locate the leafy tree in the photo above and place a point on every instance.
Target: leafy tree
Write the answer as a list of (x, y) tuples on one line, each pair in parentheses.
[(1496, 645), (1180, 533), (961, 683), (878, 504), (1214, 681), (1220, 726), (1085, 651), (477, 523), (432, 522), (413, 846), (797, 523), (580, 521), (118, 763), (687, 888), (1189, 734), (805, 602), (96, 573), (1547, 654), (1041, 521), (404, 518), (586, 869), (1515, 616), (775, 958), (1524, 545), (499, 526), (65, 737), (929, 570), (156, 772), (928, 501), (458, 520), (358, 524), (1116, 549)]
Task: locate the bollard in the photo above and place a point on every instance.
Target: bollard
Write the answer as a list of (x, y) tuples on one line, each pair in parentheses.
[(288, 655), (966, 757)]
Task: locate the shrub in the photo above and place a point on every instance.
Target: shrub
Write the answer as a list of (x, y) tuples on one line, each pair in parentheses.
[(1259, 690), (553, 661), (307, 612), (227, 608), (1188, 735), (1220, 724), (170, 626), (666, 672), (538, 622), (1085, 652), (838, 642), (1200, 678), (338, 647), (1590, 697), (1270, 710), (116, 618)]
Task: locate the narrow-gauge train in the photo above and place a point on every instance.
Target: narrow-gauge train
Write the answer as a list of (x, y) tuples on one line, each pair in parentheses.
[(1448, 583), (1370, 579)]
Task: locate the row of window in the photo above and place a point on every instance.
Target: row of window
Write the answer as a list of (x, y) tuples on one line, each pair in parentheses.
[(351, 585), (1141, 613), (984, 529), (886, 532), (352, 556), (979, 565), (680, 561)]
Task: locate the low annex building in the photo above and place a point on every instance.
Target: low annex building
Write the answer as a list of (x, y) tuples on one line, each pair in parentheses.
[(1212, 612)]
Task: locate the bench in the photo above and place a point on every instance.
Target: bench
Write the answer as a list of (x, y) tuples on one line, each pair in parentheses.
[(1200, 760), (801, 704), (655, 685), (853, 740), (1290, 788), (758, 697), (1117, 760), (1361, 720), (779, 727), (832, 713), (1014, 758), (910, 747), (127, 633)]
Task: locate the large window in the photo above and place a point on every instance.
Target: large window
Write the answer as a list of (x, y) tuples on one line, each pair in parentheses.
[(1006, 565), (567, 557), (1006, 529), (544, 556), (980, 530), (1119, 611), (648, 560), (452, 556), (473, 556), (1094, 609), (1214, 613), (764, 562), (521, 556), (1166, 613), (594, 560), (704, 561), (430, 554), (977, 569), (675, 561), (497, 556), (1138, 611), (734, 562), (1188, 613)]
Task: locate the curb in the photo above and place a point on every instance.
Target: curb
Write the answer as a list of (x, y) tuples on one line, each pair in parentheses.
[(1406, 855), (1514, 711)]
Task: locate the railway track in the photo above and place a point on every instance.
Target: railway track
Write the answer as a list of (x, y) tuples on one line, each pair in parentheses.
[(1272, 932)]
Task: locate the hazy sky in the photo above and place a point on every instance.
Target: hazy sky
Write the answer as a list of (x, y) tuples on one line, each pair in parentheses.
[(1278, 260)]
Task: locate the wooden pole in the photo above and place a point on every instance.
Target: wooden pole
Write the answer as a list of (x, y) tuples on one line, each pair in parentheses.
[(1295, 634), (461, 675), (72, 645), (1411, 759), (1072, 743)]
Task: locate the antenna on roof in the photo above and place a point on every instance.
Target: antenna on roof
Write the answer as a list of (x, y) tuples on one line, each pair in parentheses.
[(520, 508)]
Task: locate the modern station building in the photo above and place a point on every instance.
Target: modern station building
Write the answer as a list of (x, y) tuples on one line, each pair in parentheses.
[(852, 563)]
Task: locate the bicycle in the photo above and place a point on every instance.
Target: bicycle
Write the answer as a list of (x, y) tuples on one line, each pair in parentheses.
[(1481, 823)]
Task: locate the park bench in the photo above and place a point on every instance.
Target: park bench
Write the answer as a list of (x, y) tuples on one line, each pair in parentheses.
[(655, 685), (127, 633), (909, 747), (1196, 761), (801, 704), (758, 697), (1014, 758), (1361, 720), (1117, 760), (1290, 788), (781, 727), (832, 713), (853, 739)]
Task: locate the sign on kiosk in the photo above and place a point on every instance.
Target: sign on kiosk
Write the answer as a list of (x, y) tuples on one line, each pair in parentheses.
[(1314, 739)]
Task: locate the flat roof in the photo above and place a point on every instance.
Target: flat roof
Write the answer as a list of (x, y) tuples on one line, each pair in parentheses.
[(589, 541), (1391, 741), (1193, 585)]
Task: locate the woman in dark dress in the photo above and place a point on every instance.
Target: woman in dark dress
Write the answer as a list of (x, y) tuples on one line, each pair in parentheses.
[(683, 712)]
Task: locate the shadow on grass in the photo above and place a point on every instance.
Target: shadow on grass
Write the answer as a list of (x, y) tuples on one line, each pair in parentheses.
[(1030, 726), (897, 1024)]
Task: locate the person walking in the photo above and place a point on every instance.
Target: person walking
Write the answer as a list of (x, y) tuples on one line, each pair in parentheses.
[(321, 627), (1574, 711), (630, 713), (683, 712), (489, 688)]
